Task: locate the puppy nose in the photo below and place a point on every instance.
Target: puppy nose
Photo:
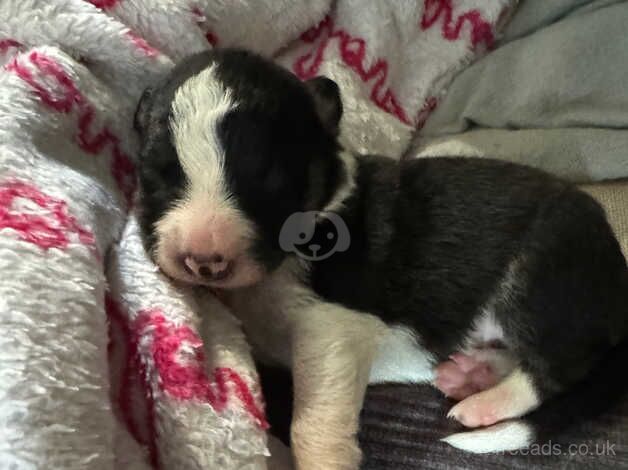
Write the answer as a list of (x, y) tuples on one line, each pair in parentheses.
[(314, 247), (212, 268)]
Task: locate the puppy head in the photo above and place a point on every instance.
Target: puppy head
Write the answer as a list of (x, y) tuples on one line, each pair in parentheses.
[(232, 145)]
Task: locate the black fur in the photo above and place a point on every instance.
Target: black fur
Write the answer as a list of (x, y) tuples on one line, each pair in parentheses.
[(432, 240)]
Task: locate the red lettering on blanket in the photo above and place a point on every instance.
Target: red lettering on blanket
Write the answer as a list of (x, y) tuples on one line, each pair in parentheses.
[(103, 4), (481, 32), (179, 359), (353, 53), (142, 45), (52, 230), (63, 96), (6, 44), (434, 10), (133, 373)]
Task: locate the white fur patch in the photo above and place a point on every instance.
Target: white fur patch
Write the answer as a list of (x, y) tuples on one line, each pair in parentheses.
[(486, 328), (206, 220), (198, 106), (400, 358), (511, 435)]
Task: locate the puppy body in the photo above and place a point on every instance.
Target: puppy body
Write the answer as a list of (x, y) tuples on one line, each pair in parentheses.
[(514, 273)]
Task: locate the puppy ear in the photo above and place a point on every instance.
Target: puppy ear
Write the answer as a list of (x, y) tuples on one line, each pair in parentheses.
[(140, 120), (327, 100)]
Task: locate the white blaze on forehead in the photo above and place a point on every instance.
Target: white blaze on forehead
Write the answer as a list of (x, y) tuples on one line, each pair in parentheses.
[(206, 220), (198, 106)]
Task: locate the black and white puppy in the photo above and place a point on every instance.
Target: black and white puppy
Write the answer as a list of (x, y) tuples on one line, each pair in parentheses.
[(501, 285)]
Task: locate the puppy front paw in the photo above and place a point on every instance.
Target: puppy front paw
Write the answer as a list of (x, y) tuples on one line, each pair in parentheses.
[(510, 398), (475, 411)]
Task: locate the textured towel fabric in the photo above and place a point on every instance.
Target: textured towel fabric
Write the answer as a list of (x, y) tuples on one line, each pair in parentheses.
[(174, 385), (204, 395), (60, 209)]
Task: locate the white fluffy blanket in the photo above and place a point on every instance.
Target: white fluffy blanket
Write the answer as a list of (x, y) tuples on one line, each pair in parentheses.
[(103, 364)]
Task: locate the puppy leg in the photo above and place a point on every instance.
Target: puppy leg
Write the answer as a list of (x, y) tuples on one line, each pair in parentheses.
[(512, 397), (333, 349), (329, 349)]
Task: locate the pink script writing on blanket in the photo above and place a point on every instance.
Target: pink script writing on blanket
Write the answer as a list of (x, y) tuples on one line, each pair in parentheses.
[(181, 375), (103, 4), (481, 30), (51, 231), (142, 45), (187, 379), (353, 53), (138, 416), (65, 97), (6, 44)]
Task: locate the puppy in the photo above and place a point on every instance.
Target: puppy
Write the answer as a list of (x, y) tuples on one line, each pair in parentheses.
[(499, 284)]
